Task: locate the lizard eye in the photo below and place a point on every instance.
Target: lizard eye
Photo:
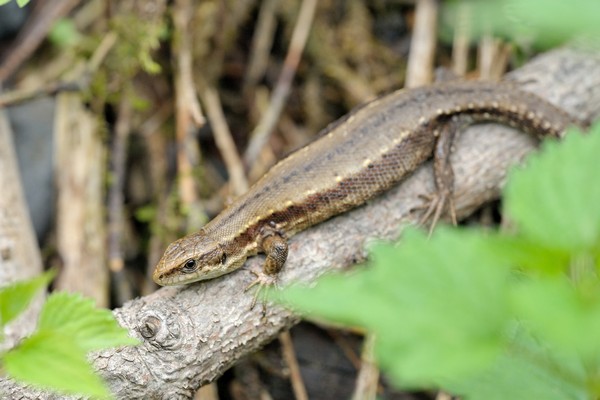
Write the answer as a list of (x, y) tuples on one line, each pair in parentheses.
[(189, 266), (223, 258)]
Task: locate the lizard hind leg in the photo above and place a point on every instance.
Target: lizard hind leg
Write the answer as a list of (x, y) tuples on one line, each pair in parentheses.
[(442, 200)]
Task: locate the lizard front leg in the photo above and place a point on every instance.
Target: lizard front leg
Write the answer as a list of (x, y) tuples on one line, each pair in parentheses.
[(275, 246)]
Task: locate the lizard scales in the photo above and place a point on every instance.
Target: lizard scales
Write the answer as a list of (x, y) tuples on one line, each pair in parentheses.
[(353, 160)]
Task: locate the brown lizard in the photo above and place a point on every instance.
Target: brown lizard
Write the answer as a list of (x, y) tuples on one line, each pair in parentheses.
[(353, 160)]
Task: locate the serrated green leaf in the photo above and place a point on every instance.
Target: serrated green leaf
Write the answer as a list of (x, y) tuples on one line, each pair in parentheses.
[(555, 200), (435, 312), (50, 360), (15, 297), (90, 327), (545, 22), (558, 313), (529, 255), (526, 371)]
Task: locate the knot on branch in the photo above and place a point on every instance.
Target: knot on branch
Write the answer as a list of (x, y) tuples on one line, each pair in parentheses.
[(162, 329)]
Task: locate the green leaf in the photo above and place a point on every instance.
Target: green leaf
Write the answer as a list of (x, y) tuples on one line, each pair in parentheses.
[(545, 22), (63, 33), (561, 315), (529, 255), (76, 317), (50, 360), (423, 300), (3, 2), (23, 3), (146, 213), (555, 201), (15, 297), (527, 370)]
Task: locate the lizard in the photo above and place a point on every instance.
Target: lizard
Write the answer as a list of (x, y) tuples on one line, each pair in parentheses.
[(352, 160)]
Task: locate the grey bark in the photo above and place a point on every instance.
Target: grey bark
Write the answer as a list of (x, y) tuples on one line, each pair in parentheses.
[(19, 253), (192, 334)]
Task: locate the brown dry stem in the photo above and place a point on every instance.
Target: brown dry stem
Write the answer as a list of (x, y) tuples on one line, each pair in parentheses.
[(263, 130)]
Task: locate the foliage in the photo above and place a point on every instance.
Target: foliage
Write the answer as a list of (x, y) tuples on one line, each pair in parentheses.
[(54, 357), (490, 314), (64, 33), (15, 298), (20, 3), (543, 22)]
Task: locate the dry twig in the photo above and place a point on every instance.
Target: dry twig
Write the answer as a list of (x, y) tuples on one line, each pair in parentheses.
[(80, 82), (263, 130), (367, 381), (116, 198), (422, 47), (36, 29), (188, 115), (460, 44), (289, 355), (224, 141)]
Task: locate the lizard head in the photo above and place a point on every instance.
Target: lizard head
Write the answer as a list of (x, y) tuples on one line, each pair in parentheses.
[(192, 258)]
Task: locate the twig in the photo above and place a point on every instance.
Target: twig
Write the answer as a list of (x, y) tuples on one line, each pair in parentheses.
[(343, 343), (151, 131), (487, 50), (223, 139), (422, 46), (289, 355), (261, 43), (460, 44), (81, 82), (19, 96), (79, 176), (443, 396), (34, 32), (115, 200), (493, 56), (187, 112), (367, 381), (263, 130), (208, 392)]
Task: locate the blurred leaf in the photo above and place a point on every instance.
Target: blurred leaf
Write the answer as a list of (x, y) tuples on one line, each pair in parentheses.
[(23, 3), (76, 317), (50, 360), (546, 22), (529, 255), (558, 313), (15, 297), (63, 33), (555, 201), (423, 300), (526, 371), (146, 213)]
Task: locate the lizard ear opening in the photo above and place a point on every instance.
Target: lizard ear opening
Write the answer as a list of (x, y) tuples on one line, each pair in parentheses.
[(223, 258)]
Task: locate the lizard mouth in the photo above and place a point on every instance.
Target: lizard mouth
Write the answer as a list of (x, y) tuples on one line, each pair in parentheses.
[(165, 279)]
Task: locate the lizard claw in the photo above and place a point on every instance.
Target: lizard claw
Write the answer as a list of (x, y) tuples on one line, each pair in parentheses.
[(262, 281), (435, 205)]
